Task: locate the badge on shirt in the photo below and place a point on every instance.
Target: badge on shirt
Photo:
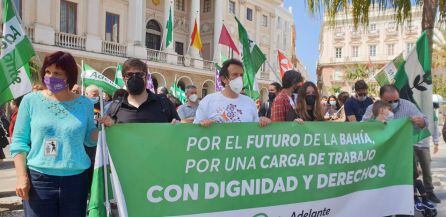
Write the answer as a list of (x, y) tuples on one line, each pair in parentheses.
[(51, 147)]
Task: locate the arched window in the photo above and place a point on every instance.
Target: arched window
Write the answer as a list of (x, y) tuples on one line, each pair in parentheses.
[(153, 35)]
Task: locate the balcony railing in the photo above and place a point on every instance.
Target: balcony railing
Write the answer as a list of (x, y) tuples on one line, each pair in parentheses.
[(70, 41), (113, 48), (156, 56), (179, 60)]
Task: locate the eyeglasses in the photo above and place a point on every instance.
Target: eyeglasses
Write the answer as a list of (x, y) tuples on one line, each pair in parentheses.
[(393, 101), (129, 75)]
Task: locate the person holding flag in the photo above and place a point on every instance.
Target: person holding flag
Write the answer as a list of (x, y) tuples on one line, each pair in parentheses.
[(229, 106), (52, 175)]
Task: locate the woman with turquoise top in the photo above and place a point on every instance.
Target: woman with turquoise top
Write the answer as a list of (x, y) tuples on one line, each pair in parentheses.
[(52, 127)]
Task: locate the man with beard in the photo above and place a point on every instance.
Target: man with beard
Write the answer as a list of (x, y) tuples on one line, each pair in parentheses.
[(285, 101), (140, 105), (265, 109)]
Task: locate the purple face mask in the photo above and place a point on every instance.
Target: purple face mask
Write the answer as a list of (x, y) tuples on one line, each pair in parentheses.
[(55, 85)]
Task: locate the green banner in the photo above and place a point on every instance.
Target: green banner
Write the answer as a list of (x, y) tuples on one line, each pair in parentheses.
[(284, 169)]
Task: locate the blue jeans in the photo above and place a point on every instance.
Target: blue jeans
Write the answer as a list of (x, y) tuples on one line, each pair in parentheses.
[(57, 196)]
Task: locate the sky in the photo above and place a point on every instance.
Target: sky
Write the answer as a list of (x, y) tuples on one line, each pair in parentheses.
[(307, 35)]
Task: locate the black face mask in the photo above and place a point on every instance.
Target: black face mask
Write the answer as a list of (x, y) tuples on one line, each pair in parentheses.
[(135, 85), (271, 96), (310, 99)]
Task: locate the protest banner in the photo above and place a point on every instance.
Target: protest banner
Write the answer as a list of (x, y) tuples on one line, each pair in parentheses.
[(284, 169)]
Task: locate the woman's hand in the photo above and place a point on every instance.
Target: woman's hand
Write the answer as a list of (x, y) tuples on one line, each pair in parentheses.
[(264, 121), (22, 187), (22, 184)]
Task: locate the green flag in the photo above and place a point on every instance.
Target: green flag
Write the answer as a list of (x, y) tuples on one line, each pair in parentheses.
[(414, 80), (118, 76), (169, 28), (92, 76), (16, 52), (387, 73), (178, 93), (253, 59), (96, 204)]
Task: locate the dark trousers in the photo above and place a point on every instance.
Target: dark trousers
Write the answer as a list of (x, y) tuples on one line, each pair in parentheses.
[(57, 196), (423, 157)]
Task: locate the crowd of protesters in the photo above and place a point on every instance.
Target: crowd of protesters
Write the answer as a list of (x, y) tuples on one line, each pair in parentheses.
[(54, 128)]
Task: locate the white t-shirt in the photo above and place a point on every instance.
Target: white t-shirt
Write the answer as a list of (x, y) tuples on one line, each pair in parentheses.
[(226, 110)]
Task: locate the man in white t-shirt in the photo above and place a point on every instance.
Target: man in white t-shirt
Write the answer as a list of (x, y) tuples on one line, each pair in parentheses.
[(229, 106)]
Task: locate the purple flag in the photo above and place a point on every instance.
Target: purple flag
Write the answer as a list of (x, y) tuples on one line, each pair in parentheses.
[(218, 86), (150, 83)]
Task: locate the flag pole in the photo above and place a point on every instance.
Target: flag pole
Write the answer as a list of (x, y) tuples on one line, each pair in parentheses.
[(104, 154), (274, 72)]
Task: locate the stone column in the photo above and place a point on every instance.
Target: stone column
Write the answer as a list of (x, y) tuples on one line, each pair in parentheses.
[(218, 22), (136, 29), (168, 4), (43, 30), (258, 22), (272, 39), (194, 15), (93, 42)]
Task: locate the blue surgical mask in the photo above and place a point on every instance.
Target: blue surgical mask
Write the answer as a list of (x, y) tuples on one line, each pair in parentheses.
[(394, 105)]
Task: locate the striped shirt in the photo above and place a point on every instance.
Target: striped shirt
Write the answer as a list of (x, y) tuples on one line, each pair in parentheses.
[(405, 109)]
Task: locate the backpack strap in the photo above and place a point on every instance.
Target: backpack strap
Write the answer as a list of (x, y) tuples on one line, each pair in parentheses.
[(114, 108), (166, 105)]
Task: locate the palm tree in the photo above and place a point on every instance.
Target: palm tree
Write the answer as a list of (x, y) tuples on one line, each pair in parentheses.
[(357, 72), (439, 49), (360, 10)]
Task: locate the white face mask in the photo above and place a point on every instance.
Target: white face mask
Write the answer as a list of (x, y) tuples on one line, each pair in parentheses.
[(236, 85), (193, 97)]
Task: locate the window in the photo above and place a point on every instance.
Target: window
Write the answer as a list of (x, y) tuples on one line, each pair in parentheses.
[(372, 27), (409, 47), (232, 7), (355, 51), (179, 5), (279, 22), (111, 27), (68, 17), (207, 6), (337, 75), (18, 6), (390, 49), (179, 48), (206, 54), (372, 50), (338, 52), (264, 20), (391, 26), (249, 14), (153, 35)]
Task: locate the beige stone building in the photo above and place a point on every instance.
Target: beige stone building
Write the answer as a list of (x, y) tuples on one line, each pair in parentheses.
[(103, 33), (342, 47)]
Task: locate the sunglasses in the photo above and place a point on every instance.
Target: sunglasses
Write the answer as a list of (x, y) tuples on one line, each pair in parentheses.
[(131, 74)]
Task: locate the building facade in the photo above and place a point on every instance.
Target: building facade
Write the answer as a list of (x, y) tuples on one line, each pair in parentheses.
[(343, 48), (103, 33)]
